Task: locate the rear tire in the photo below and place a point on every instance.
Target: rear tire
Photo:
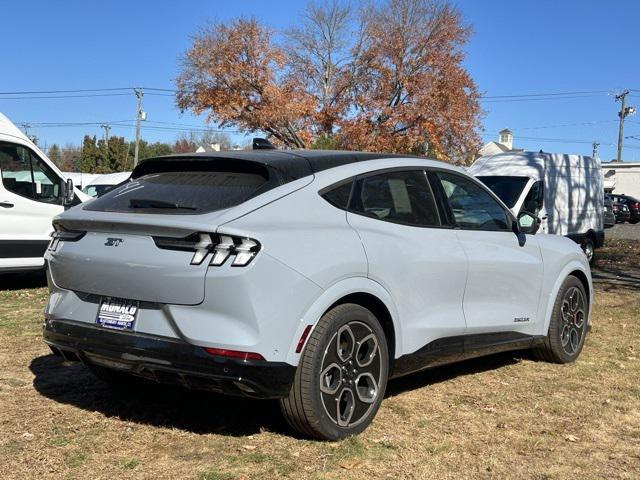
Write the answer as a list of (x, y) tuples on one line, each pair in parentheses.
[(342, 375), (568, 326), (589, 249)]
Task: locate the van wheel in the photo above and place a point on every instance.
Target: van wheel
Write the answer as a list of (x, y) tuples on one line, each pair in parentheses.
[(588, 247), (568, 326), (342, 375)]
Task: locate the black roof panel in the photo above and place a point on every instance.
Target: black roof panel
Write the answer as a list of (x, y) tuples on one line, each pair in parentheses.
[(291, 164)]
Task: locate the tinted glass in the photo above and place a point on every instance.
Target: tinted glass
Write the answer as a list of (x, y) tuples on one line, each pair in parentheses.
[(339, 196), (25, 174), (508, 189), (400, 197), (472, 207), (182, 192)]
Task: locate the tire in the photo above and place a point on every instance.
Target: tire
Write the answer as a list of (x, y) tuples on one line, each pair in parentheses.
[(342, 375), (589, 249), (568, 327), (633, 222)]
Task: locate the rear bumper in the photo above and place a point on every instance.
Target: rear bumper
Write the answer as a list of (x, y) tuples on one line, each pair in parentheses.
[(167, 360)]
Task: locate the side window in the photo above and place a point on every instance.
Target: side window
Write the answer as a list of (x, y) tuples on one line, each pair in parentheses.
[(535, 198), (339, 196), (400, 196), (472, 207), (25, 174)]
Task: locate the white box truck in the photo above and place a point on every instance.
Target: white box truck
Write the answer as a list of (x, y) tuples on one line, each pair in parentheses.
[(565, 191), (32, 191)]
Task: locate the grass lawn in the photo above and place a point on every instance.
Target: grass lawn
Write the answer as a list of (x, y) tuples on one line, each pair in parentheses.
[(504, 416)]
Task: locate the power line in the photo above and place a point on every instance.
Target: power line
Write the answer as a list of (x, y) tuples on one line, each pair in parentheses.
[(88, 95), (84, 90)]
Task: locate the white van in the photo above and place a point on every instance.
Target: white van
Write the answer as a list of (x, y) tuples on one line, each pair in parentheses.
[(104, 183), (565, 191), (32, 191)]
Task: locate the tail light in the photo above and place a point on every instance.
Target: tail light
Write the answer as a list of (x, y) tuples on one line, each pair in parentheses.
[(238, 355), (62, 235), (221, 247)]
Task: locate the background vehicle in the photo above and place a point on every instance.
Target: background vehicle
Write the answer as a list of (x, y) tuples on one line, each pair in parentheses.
[(80, 179), (632, 204), (565, 191), (105, 183), (32, 192), (621, 212), (209, 271), (609, 217)]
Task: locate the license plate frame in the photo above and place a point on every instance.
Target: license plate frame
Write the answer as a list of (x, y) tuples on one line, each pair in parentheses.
[(117, 313)]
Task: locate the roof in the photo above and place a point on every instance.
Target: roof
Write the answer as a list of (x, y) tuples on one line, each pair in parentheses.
[(292, 164), (620, 164), (505, 130)]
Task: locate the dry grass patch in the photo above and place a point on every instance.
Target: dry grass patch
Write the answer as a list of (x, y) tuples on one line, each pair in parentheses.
[(505, 416)]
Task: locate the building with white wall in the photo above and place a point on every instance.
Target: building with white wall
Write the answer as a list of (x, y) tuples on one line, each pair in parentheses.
[(622, 178)]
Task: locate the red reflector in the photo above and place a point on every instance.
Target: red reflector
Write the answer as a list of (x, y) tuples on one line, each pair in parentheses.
[(303, 338), (221, 352)]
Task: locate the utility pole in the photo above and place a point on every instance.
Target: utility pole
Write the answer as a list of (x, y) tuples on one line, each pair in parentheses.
[(624, 111), (140, 115), (106, 127), (595, 149)]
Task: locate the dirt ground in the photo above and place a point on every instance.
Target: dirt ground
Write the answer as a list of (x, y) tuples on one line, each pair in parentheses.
[(504, 416)]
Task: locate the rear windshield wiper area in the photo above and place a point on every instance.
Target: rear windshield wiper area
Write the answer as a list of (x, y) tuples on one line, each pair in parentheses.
[(145, 203)]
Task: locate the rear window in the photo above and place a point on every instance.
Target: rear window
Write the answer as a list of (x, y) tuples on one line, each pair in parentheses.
[(185, 192)]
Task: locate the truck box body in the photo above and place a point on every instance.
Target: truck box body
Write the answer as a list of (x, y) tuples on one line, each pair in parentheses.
[(566, 191)]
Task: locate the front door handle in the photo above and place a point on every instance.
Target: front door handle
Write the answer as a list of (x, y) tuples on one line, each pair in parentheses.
[(6, 204)]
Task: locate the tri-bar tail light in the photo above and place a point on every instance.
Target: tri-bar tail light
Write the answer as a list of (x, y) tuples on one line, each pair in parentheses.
[(221, 246), (61, 235)]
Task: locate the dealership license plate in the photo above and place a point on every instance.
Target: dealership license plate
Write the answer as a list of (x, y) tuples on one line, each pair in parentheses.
[(117, 313)]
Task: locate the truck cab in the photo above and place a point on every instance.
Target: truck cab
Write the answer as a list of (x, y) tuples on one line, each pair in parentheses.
[(32, 192)]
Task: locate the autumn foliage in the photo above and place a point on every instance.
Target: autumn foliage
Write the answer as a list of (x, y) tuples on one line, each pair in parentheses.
[(387, 77)]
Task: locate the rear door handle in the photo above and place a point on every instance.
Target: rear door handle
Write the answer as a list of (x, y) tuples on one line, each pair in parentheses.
[(6, 204)]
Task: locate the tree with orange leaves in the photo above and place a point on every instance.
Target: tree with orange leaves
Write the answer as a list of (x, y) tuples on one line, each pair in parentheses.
[(389, 78)]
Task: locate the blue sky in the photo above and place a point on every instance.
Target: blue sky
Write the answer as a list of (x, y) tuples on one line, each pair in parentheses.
[(523, 47)]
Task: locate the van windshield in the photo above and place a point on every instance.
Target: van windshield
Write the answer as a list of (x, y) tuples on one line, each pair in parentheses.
[(508, 189), (184, 192)]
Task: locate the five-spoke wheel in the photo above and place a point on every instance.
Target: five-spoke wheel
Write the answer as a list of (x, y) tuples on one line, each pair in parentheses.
[(350, 374), (568, 326), (342, 375)]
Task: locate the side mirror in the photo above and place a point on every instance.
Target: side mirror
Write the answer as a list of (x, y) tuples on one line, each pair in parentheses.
[(528, 223), (68, 193)]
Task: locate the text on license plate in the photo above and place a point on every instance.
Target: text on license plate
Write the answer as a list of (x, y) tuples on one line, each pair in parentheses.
[(117, 313)]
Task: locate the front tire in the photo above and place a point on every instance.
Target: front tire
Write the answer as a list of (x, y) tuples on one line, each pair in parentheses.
[(342, 375), (568, 326)]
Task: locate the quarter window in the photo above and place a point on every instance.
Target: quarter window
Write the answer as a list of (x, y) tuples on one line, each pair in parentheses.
[(339, 196), (400, 197), (472, 207), (25, 174)]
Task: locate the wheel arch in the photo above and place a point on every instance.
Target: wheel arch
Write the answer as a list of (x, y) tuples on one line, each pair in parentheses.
[(359, 290), (574, 268)]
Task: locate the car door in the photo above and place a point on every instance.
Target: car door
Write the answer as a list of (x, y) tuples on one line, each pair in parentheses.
[(30, 196), (416, 258), (505, 269)]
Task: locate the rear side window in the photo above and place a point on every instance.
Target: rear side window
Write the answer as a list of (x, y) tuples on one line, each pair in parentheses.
[(184, 192), (339, 196), (399, 196)]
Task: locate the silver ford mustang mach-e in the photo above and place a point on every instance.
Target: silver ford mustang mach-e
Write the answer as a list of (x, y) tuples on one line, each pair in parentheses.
[(308, 276)]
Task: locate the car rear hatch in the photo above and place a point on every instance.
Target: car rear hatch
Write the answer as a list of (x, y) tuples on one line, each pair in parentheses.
[(140, 240)]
